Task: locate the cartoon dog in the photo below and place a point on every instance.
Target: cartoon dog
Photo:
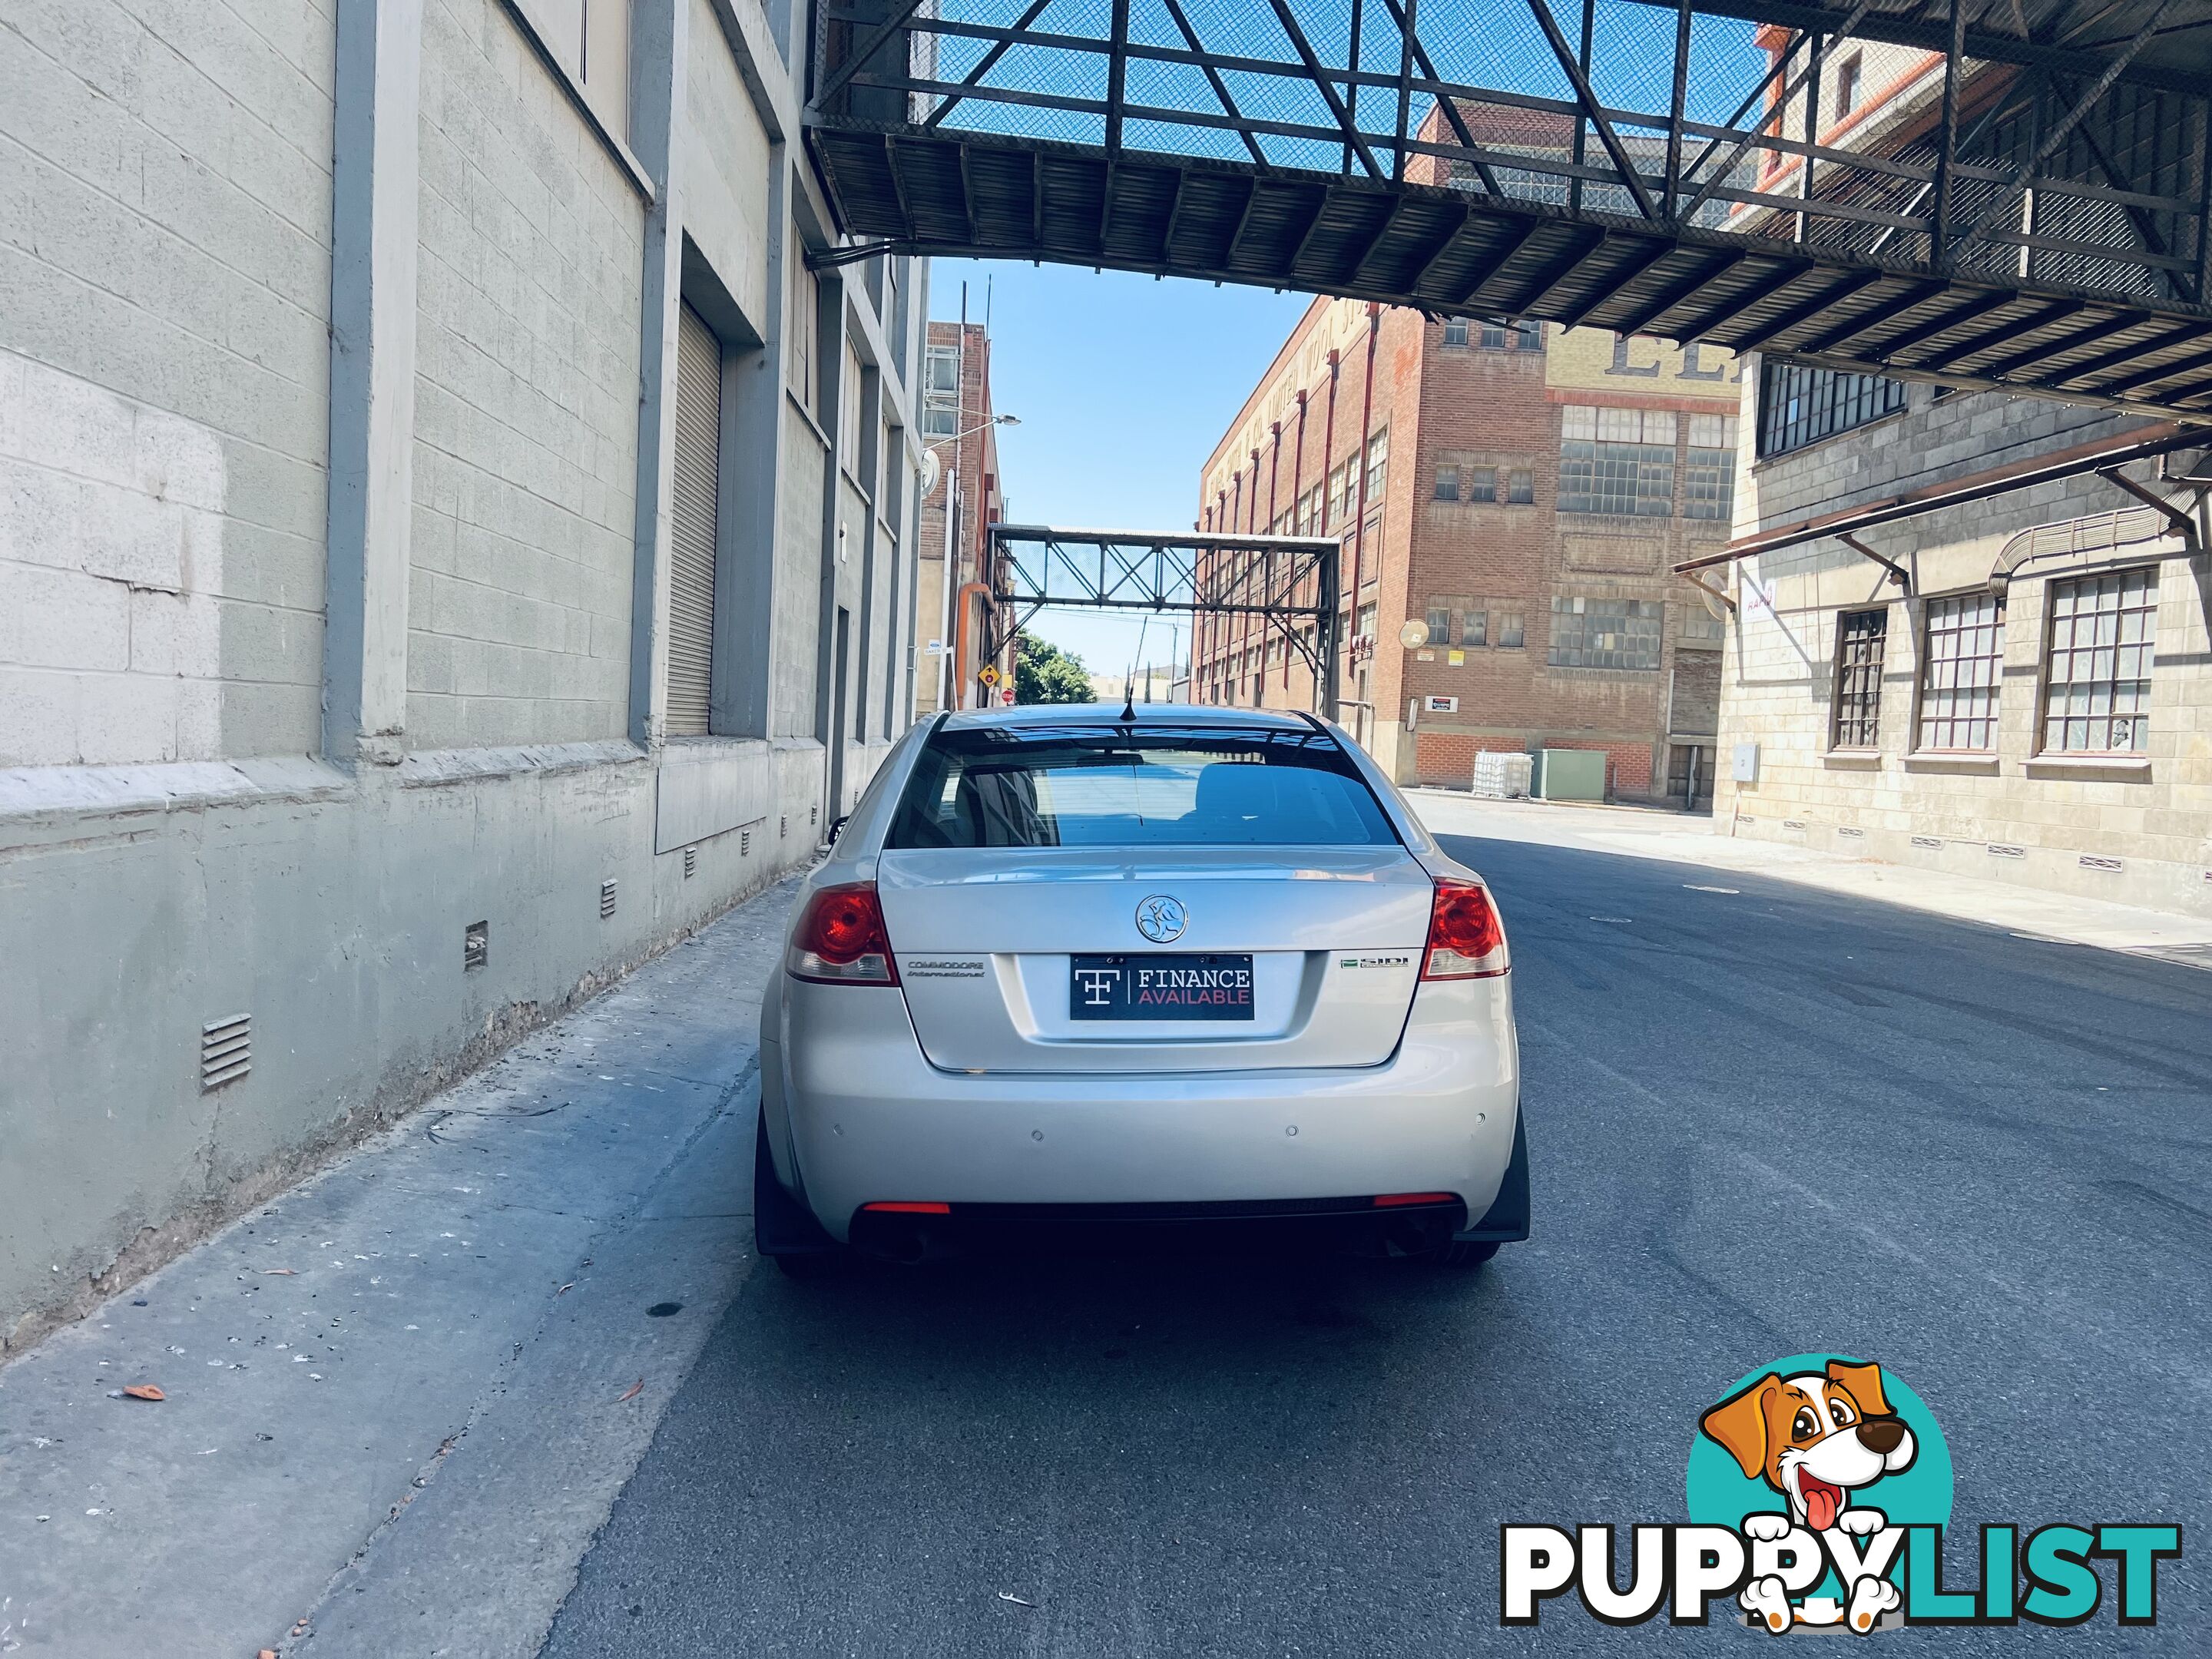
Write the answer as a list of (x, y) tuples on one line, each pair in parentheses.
[(1816, 1437)]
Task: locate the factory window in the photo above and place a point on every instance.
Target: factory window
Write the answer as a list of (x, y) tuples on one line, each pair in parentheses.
[(1454, 330), (1860, 636), (1617, 461), (1520, 487), (1481, 484), (1511, 633), (1589, 633), (1961, 663), (2096, 697), (1709, 478), (1799, 406), (1512, 337), (1447, 484)]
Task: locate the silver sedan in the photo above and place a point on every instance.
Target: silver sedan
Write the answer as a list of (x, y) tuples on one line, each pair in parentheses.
[(1193, 975)]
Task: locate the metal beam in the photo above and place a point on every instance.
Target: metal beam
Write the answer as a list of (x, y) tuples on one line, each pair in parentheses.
[(988, 63), (1496, 260), (1798, 315), (1997, 337), (1220, 87), (1326, 87), (1995, 207), (1588, 100), (1720, 174), (1866, 321), (1398, 16), (1927, 29), (2029, 355), (1611, 286), (2151, 376), (1680, 293), (1980, 305), (1727, 311), (870, 45), (2183, 524), (1898, 573), (1937, 498)]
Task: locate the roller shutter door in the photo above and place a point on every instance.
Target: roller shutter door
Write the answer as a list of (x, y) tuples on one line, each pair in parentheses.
[(691, 565)]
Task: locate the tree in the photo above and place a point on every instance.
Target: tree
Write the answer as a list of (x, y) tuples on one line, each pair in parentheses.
[(1045, 673)]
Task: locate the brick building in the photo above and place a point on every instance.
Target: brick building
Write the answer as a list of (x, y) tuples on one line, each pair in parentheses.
[(1520, 492), (960, 428)]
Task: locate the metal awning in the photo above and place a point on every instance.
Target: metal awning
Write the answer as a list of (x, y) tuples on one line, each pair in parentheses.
[(2030, 209), (2104, 456)]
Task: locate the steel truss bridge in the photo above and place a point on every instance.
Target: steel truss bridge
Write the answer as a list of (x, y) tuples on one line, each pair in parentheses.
[(1992, 193), (1264, 586)]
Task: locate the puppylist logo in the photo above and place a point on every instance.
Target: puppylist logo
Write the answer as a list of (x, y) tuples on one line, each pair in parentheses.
[(1818, 1490)]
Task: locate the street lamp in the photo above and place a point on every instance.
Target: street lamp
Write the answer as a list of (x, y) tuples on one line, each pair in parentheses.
[(996, 420)]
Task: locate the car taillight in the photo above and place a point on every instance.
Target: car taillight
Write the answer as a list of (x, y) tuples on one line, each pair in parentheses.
[(842, 941), (1465, 939)]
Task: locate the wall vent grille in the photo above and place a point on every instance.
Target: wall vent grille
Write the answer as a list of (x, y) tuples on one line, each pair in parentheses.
[(2091, 861), (745, 843), (1999, 850), (690, 862), (782, 827), (225, 1050), (813, 817), (476, 944), (1793, 823), (1847, 829), (606, 900), (1932, 843)]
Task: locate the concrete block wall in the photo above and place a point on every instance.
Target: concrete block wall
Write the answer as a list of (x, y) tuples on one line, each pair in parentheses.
[(165, 211), (2137, 833), (525, 422), (184, 836)]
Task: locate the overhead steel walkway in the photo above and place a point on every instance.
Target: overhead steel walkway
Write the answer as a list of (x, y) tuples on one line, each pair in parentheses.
[(1263, 588), (1992, 193)]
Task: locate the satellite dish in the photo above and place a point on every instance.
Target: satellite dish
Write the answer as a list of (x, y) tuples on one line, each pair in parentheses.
[(1414, 634), (1714, 604), (930, 472)]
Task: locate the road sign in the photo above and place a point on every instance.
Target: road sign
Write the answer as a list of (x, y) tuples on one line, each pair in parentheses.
[(988, 674), (1007, 696)]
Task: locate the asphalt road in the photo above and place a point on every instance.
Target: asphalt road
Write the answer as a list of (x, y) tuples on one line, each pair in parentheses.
[(1763, 1121)]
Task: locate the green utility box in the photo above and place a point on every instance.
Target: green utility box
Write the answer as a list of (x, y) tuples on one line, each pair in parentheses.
[(1570, 775)]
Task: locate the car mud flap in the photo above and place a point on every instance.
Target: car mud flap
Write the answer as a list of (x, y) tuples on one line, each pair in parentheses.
[(1507, 1221), (782, 1225)]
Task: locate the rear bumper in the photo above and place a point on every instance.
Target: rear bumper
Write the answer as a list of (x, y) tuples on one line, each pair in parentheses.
[(1271, 1226), (867, 1120)]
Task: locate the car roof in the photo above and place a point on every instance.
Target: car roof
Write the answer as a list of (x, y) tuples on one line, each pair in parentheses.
[(1183, 714)]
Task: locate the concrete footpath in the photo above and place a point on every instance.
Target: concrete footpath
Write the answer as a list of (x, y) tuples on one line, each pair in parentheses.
[(478, 1317), (1686, 838)]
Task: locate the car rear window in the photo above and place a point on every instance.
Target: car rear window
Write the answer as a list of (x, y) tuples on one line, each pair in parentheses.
[(1095, 786)]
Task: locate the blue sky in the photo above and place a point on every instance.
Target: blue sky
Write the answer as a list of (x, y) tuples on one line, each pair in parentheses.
[(1123, 385)]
